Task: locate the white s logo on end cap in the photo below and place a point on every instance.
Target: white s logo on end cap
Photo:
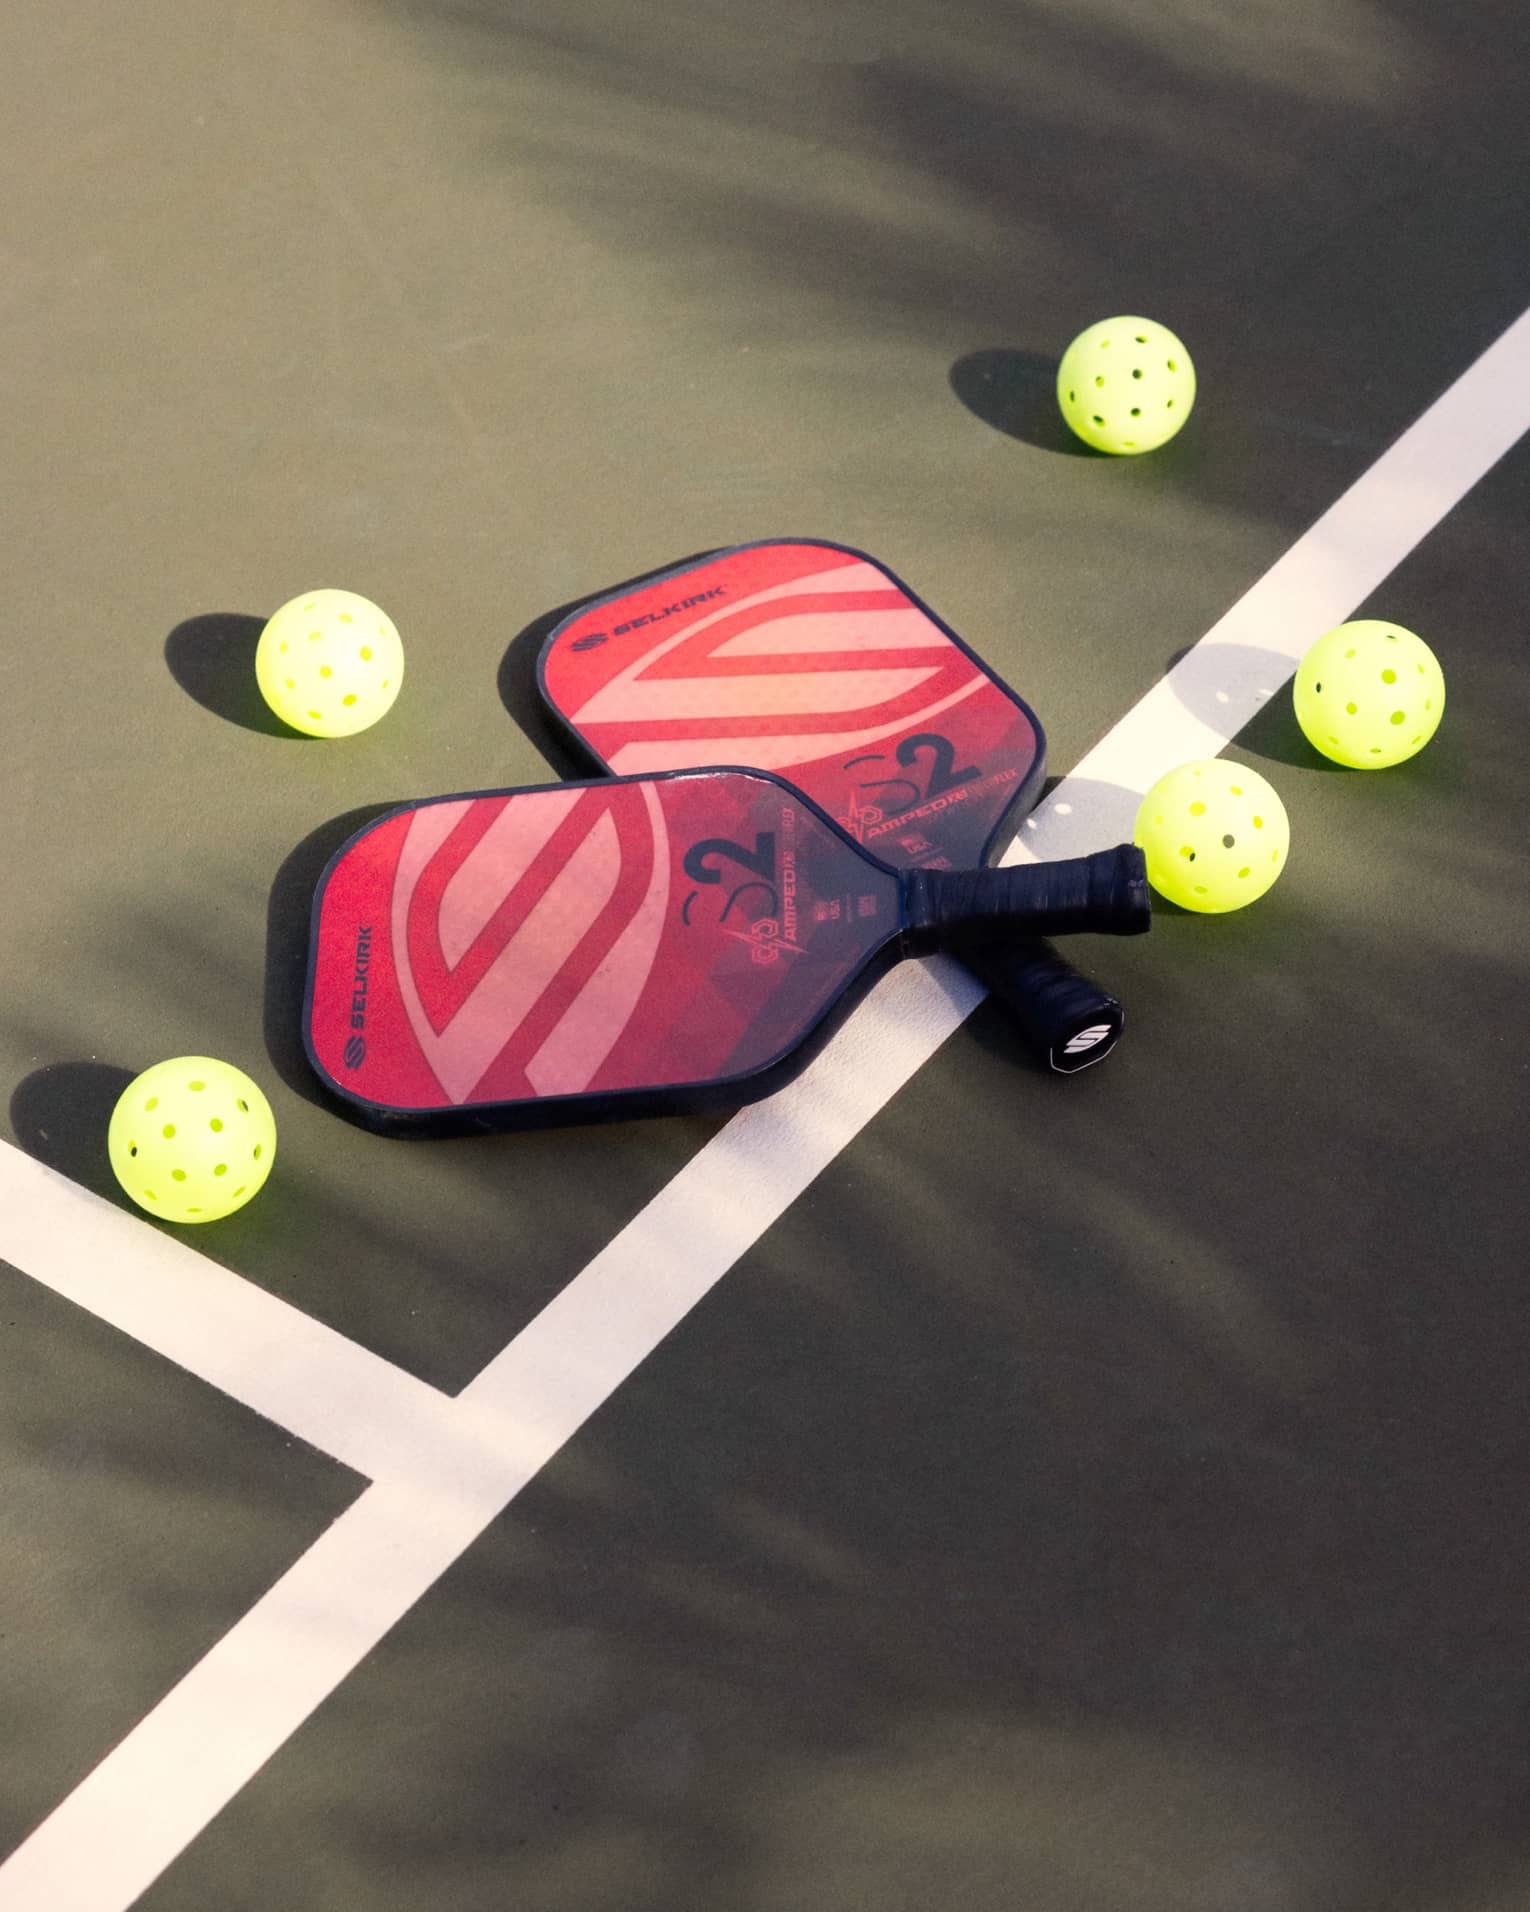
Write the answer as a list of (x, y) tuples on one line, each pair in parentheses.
[(1086, 1038)]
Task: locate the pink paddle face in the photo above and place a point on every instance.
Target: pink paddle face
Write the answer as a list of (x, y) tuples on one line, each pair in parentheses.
[(590, 940), (813, 662)]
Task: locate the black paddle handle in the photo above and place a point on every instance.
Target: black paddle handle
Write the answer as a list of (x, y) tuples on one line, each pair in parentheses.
[(1106, 893), (1069, 1021)]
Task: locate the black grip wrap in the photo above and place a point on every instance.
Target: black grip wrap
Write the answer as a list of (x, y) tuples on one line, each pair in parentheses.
[(1068, 1020), (1106, 893)]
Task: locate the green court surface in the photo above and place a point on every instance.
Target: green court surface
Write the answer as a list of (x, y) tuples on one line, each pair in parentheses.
[(945, 1485)]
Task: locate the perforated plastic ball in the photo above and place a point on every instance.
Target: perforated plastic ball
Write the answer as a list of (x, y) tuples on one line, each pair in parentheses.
[(1126, 385), (1369, 694), (192, 1139), (329, 663), (1215, 836)]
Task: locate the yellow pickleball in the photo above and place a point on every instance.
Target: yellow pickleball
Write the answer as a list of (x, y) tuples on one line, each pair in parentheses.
[(1126, 385), (1215, 835), (329, 663), (1369, 694), (192, 1139)]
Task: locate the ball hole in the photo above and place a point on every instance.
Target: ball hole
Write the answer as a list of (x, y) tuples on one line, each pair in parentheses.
[(257, 1151), (1428, 704), (132, 1148), (216, 1125), (1173, 366), (1349, 653), (1100, 380), (1420, 669), (314, 636), (238, 1192), (325, 671), (196, 1087), (1258, 823), (1127, 444), (308, 607), (1416, 742), (1136, 411), (282, 649), (1389, 677), (151, 1104), (1141, 338), (1391, 637), (193, 1211), (1197, 809), (1235, 789), (1170, 405), (242, 1106), (1317, 689), (1187, 853), (1244, 870), (149, 1195), (1334, 740), (1098, 420), (316, 716), (346, 618), (1200, 889), (366, 653), (177, 1175), (291, 683), (1137, 373), (385, 683), (1375, 750), (1227, 842), (1351, 708), (168, 1131), (1399, 717), (349, 700), (221, 1169)]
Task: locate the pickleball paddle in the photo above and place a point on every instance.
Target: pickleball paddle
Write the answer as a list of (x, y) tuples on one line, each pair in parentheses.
[(631, 946), (815, 662)]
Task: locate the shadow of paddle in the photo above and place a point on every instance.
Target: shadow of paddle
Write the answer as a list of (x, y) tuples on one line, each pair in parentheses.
[(288, 915), (521, 696), (520, 691)]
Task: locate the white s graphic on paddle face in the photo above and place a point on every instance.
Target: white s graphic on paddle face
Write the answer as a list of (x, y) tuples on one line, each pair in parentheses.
[(788, 660), (516, 926)]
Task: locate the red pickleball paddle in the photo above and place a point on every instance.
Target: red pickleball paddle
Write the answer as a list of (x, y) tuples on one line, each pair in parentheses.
[(815, 662), (632, 946)]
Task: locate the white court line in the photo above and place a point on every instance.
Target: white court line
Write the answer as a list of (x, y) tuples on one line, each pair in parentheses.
[(271, 1356), (174, 1772)]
